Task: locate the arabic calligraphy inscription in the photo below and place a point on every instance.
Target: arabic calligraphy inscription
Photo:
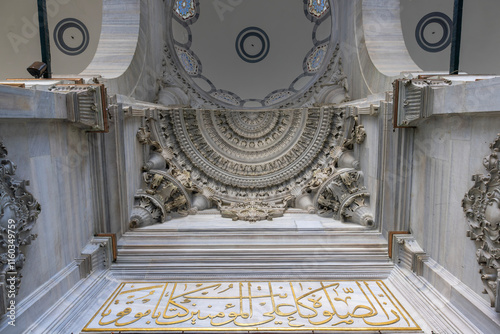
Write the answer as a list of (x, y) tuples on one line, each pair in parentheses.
[(329, 305)]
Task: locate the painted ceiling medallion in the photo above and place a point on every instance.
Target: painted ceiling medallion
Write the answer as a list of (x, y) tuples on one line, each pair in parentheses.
[(185, 9), (277, 97), (252, 44), (316, 58), (318, 8), (226, 97), (189, 63)]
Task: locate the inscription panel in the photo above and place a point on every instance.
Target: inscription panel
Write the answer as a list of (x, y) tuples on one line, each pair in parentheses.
[(257, 305)]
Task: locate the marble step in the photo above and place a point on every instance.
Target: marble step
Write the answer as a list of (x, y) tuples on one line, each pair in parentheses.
[(271, 250)]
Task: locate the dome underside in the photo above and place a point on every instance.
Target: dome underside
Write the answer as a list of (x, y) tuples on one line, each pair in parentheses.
[(255, 54)]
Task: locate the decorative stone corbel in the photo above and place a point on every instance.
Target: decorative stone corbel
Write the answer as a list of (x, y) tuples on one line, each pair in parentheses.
[(338, 188), (344, 196), (482, 209), (87, 105), (163, 196), (407, 253), (412, 99), (96, 255), (18, 214)]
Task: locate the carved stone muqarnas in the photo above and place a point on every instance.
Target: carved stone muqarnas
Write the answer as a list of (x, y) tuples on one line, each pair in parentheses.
[(482, 209), (339, 188), (18, 214), (251, 166)]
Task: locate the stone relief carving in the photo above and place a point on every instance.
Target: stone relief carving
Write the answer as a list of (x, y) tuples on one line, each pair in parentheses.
[(411, 99), (344, 195), (212, 144), (252, 211), (18, 214), (482, 209), (252, 165), (162, 197), (338, 188)]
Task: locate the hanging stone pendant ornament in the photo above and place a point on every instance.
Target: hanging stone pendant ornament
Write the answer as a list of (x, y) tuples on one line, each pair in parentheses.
[(18, 214), (482, 209)]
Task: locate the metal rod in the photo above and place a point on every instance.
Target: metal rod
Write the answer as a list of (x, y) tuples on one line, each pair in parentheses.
[(456, 36), (44, 36)]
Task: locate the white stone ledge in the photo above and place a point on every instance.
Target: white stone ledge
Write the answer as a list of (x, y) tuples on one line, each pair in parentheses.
[(34, 305), (469, 97), (21, 103), (457, 308)]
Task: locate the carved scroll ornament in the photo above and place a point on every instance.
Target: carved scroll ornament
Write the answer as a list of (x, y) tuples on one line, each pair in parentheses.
[(162, 197), (18, 214), (339, 189), (482, 209), (344, 196)]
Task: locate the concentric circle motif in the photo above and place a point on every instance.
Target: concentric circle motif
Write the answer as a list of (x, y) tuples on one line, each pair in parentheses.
[(252, 44), (252, 124), (433, 32), (71, 36)]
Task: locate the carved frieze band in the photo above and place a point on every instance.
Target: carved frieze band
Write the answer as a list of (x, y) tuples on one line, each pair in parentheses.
[(18, 214), (251, 165), (482, 209)]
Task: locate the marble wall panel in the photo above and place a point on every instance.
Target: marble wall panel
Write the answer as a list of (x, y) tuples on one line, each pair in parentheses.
[(448, 151), (54, 157)]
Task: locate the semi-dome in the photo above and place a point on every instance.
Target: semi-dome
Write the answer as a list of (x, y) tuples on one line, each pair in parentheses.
[(264, 54)]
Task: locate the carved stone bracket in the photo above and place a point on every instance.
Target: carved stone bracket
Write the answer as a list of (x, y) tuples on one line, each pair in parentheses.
[(407, 253), (163, 196), (482, 209), (87, 105), (18, 214), (344, 196), (95, 256), (411, 99)]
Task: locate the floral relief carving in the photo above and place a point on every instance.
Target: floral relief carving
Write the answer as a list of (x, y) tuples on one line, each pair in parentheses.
[(18, 213), (162, 196), (481, 205)]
